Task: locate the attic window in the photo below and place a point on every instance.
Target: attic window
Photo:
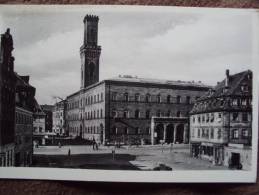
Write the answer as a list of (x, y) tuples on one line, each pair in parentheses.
[(244, 88)]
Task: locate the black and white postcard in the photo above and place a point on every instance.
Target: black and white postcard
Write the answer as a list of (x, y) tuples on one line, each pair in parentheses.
[(129, 93)]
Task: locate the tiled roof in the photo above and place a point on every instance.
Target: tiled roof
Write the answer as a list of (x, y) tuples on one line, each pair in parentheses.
[(221, 95), (135, 79)]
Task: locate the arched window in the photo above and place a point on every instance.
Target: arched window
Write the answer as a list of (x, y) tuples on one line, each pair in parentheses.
[(98, 98), (168, 99), (126, 97), (101, 96), (137, 114), (97, 113), (101, 113), (94, 114)]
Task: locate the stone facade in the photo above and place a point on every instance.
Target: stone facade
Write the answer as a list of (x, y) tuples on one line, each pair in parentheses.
[(221, 122), (7, 100), (59, 118)]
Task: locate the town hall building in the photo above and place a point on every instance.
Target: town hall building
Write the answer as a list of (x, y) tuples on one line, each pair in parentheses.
[(127, 109)]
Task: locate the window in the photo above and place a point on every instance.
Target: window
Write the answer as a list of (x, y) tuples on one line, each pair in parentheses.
[(137, 97), (199, 118), (212, 117), (98, 97), (126, 131), (114, 96), (211, 133), (235, 134), (207, 118), (101, 113), (114, 113), (244, 117), (235, 116), (244, 133), (158, 98), (178, 99), (168, 99), (114, 130), (243, 102), (137, 130), (203, 118), (193, 132), (193, 119), (148, 114), (137, 114), (126, 97), (219, 133), (101, 96), (199, 133), (147, 130), (148, 98), (126, 114), (219, 115), (168, 113), (158, 114), (178, 114), (188, 100)]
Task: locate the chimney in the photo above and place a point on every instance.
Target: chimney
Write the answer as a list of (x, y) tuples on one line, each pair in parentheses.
[(227, 78)]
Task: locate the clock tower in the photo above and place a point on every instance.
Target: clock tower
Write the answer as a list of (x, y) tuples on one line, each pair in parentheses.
[(90, 52)]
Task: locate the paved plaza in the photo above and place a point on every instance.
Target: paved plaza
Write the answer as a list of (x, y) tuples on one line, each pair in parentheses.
[(126, 158)]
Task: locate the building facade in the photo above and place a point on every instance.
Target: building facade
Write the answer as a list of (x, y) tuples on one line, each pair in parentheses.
[(221, 122), (48, 110), (121, 109), (59, 118), (24, 100), (7, 100)]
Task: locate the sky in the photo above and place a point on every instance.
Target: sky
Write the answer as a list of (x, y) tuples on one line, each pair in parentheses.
[(162, 43)]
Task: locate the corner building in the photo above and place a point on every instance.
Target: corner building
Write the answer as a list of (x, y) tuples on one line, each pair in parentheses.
[(121, 109), (221, 122)]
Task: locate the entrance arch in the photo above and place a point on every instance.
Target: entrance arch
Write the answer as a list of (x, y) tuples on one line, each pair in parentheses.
[(159, 133), (179, 133), (169, 133)]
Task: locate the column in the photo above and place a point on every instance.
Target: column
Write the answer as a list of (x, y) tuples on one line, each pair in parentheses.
[(175, 133), (165, 132)]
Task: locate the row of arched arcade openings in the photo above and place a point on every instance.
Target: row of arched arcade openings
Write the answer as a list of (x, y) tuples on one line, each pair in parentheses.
[(169, 130)]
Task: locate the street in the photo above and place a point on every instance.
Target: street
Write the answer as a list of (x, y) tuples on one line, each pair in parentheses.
[(126, 158)]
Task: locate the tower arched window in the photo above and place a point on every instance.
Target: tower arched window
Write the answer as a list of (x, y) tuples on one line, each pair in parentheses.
[(91, 72)]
